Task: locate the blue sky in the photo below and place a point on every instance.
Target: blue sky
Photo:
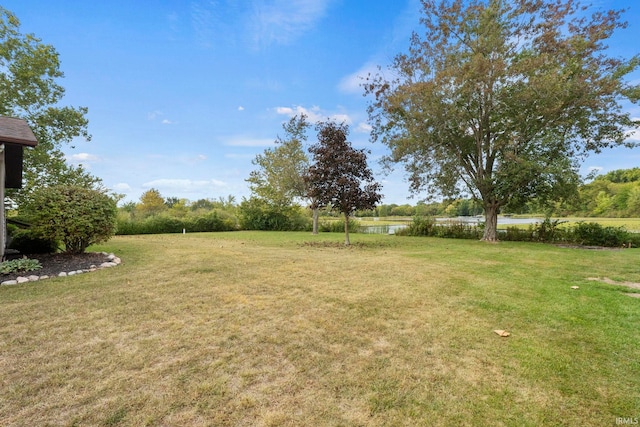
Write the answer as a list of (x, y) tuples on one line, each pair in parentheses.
[(182, 94)]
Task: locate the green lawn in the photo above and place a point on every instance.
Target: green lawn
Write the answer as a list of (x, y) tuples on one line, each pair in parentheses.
[(290, 329)]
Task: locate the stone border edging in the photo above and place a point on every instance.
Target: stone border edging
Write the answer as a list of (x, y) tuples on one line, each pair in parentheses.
[(112, 262)]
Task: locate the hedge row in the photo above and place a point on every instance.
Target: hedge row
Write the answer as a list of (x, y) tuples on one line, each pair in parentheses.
[(547, 231), (160, 224)]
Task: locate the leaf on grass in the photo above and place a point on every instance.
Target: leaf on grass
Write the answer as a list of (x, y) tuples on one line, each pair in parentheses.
[(502, 333), (575, 287)]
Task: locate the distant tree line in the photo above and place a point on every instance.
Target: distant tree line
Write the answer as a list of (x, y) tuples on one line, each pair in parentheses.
[(615, 194)]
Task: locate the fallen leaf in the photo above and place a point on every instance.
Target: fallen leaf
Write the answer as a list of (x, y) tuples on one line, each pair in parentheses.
[(502, 333), (575, 287)]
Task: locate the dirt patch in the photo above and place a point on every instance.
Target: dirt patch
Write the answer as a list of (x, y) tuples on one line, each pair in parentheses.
[(341, 245), (608, 281), (53, 264), (592, 248)]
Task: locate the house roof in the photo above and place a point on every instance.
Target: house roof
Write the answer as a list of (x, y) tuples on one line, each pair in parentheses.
[(16, 131)]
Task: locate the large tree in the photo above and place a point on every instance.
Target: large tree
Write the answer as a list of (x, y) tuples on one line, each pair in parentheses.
[(502, 99), (278, 180), (29, 89), (339, 176), (151, 203)]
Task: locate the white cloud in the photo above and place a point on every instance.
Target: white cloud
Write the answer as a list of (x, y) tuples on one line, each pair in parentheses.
[(260, 22), (353, 82), (122, 187), (315, 114), (83, 158), (634, 135), (184, 185), (364, 127), (240, 108), (154, 115), (282, 21)]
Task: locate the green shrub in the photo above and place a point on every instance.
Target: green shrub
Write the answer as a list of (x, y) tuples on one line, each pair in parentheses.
[(594, 234), (458, 230), (516, 234), (548, 231), (258, 214), (19, 265), (211, 221), (425, 226), (27, 242), (75, 216), (420, 226), (337, 226)]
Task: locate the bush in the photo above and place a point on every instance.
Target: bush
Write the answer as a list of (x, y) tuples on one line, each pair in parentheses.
[(547, 231), (26, 242), (75, 216), (458, 230), (594, 234), (258, 214), (420, 226), (425, 226), (337, 226)]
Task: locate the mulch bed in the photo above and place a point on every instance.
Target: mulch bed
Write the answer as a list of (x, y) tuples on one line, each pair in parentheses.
[(53, 264)]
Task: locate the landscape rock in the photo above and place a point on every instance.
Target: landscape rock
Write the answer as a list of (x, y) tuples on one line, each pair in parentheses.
[(33, 278), (62, 274), (22, 279), (108, 264), (9, 282)]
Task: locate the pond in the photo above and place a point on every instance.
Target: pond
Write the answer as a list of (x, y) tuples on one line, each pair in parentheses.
[(382, 229)]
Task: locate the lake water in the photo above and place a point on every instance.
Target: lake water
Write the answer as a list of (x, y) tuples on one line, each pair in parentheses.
[(501, 220)]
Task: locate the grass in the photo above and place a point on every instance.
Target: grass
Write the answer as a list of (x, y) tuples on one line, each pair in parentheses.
[(272, 329)]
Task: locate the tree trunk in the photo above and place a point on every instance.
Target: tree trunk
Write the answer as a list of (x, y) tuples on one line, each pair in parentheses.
[(346, 230), (316, 214), (491, 222)]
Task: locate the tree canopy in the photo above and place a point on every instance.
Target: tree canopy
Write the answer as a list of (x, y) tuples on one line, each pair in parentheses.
[(339, 176), (151, 203), (278, 178), (501, 99), (29, 88)]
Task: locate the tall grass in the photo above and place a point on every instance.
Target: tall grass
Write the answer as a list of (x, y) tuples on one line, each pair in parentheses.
[(271, 329)]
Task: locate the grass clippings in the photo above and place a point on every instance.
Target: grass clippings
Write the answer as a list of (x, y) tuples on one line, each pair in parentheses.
[(262, 329)]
